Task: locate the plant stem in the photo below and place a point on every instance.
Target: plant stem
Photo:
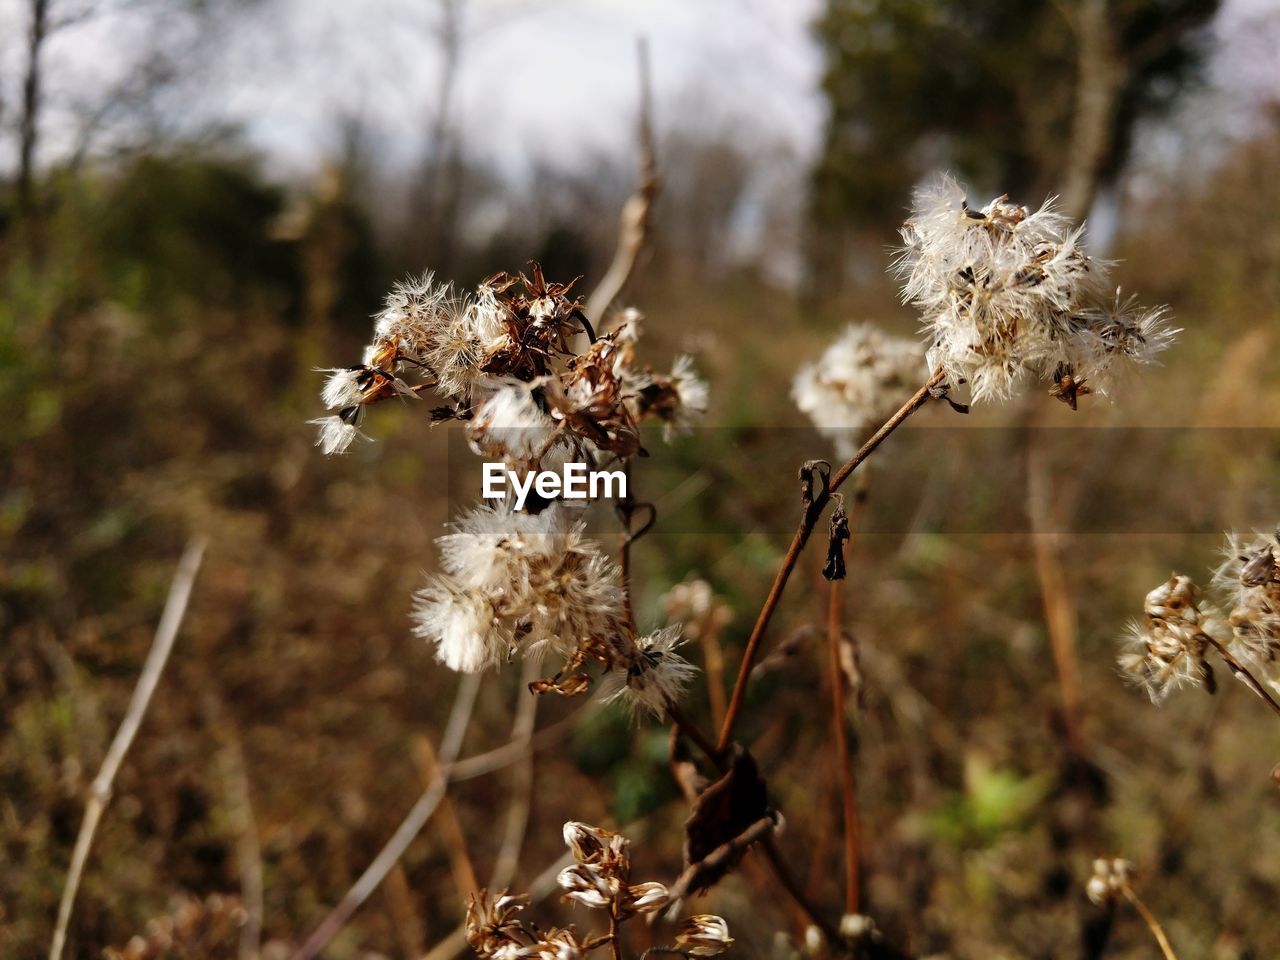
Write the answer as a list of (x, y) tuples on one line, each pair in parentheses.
[(807, 522), (844, 762), (1244, 676), (792, 886), (694, 733), (615, 945), (175, 609), (1152, 923), (1059, 607), (459, 717)]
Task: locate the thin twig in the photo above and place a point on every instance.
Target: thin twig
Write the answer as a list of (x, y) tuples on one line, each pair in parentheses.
[(404, 914), (633, 230), (521, 800), (625, 507), (690, 729), (1056, 597), (175, 609), (714, 862), (615, 942), (917, 401), (713, 660), (1152, 923), (460, 716), (235, 779), (543, 885), (455, 840), (510, 752), (792, 887), (840, 744), (1244, 676)]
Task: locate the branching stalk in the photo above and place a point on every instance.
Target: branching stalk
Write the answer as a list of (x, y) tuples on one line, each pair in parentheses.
[(918, 400), (1152, 923), (175, 609)]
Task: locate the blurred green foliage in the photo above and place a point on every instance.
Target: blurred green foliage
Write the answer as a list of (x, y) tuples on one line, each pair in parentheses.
[(986, 88)]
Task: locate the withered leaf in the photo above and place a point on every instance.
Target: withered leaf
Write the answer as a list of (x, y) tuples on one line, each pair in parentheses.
[(727, 809)]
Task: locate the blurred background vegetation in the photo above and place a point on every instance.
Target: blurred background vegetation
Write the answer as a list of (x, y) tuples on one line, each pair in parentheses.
[(167, 289)]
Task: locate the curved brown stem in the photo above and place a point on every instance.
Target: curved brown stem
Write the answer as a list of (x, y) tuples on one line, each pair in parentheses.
[(840, 744), (807, 522), (1152, 923), (1244, 676)]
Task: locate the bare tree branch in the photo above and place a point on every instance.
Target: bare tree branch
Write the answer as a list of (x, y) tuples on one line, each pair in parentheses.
[(504, 869), (633, 230), (100, 790), (29, 126), (459, 717)]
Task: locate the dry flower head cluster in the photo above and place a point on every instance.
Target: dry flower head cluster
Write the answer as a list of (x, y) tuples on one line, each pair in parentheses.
[(598, 879), (1170, 647), (507, 360), (522, 367), (1007, 294), (862, 377)]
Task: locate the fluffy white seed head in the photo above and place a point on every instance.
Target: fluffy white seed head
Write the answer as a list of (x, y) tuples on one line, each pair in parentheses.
[(656, 675), (857, 383), (415, 312), (509, 424), (335, 435), (534, 578), (1006, 294), (1167, 649)]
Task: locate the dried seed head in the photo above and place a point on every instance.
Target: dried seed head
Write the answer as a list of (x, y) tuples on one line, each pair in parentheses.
[(648, 897), (1110, 878), (506, 361), (515, 581), (492, 927), (510, 425), (857, 383), (1249, 578), (654, 675), (587, 884), (1167, 649), (1008, 294), (703, 935), (694, 604), (337, 433), (557, 945), (598, 846)]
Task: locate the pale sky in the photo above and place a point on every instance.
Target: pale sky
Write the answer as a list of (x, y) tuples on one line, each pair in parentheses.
[(540, 80)]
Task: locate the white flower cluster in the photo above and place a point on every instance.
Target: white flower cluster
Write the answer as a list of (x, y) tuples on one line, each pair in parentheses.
[(1169, 647), (505, 361), (516, 580), (517, 583), (1006, 294), (857, 383)]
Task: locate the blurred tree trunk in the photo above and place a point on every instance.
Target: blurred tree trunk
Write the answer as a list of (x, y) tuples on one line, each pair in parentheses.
[(436, 202), (1101, 78), (29, 128)]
